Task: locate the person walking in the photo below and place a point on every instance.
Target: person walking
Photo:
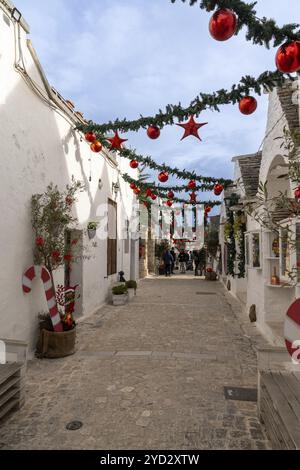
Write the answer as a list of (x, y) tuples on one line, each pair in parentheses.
[(174, 260), (182, 261), (168, 260)]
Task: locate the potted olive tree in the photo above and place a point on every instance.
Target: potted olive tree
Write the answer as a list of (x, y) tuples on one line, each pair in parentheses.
[(120, 294), (132, 287), (51, 218)]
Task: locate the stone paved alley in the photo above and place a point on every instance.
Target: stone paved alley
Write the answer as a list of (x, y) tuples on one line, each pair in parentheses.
[(148, 375)]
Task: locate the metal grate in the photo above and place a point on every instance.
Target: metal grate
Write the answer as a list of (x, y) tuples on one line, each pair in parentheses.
[(240, 394)]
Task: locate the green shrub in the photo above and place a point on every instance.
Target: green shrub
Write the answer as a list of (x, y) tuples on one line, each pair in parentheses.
[(119, 290), (131, 285), (92, 225)]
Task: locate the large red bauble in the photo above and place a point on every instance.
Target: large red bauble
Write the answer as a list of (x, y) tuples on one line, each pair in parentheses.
[(222, 25), (163, 176), (218, 189), (132, 186), (96, 146), (134, 164), (169, 203), (153, 197), (137, 191), (248, 105), (153, 132), (288, 57), (170, 195), (90, 137), (297, 193), (192, 184)]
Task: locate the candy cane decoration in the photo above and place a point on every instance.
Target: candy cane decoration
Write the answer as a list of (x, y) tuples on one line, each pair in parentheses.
[(43, 273)]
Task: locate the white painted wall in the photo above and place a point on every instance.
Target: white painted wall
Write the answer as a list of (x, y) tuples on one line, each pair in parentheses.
[(38, 146)]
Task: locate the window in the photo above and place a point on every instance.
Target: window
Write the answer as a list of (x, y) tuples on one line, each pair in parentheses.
[(247, 250)]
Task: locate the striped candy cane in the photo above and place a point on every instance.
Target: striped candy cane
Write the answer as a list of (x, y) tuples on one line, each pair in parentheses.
[(43, 273)]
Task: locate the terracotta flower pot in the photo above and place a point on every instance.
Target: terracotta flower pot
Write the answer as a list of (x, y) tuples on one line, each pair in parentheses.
[(53, 345)]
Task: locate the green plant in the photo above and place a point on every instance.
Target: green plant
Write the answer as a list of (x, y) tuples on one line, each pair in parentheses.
[(120, 290), (92, 225), (131, 284)]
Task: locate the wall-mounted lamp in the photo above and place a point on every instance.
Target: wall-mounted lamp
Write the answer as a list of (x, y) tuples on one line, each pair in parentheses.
[(116, 188), (100, 184), (16, 15)]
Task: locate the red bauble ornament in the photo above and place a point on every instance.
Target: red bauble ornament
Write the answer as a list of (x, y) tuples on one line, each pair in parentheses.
[(69, 200), (163, 176), (96, 146), (132, 186), (153, 197), (137, 191), (288, 57), (191, 128), (153, 132), (207, 210), (169, 203), (39, 241), (68, 258), (134, 164), (223, 24), (218, 189), (56, 255), (297, 193), (90, 137), (192, 184), (149, 192), (170, 195), (248, 105), (116, 142)]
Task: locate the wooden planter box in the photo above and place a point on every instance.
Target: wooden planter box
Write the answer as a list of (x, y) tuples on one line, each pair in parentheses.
[(53, 345)]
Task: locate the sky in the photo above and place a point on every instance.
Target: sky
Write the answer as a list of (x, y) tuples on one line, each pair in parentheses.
[(124, 58)]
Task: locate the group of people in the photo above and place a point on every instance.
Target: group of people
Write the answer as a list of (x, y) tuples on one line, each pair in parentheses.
[(187, 260)]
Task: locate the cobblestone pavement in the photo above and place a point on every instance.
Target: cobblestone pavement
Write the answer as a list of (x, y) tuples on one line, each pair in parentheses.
[(146, 375)]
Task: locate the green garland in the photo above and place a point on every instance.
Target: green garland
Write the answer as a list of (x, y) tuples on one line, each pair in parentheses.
[(261, 31), (174, 188), (266, 81)]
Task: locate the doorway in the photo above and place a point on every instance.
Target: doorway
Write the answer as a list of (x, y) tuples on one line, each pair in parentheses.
[(112, 238)]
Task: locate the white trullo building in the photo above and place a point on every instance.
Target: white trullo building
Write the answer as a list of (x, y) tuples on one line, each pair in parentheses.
[(39, 145)]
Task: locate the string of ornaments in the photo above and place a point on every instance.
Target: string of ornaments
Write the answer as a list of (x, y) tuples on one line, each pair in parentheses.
[(223, 24)]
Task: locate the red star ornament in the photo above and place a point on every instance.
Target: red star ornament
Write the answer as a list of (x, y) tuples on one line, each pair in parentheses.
[(116, 142), (191, 128)]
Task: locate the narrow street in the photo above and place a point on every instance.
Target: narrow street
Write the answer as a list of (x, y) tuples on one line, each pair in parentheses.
[(148, 375)]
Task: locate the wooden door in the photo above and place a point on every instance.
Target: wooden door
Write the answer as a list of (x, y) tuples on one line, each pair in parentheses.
[(112, 238)]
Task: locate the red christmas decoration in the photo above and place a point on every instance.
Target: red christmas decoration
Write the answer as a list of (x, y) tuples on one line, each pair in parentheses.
[(170, 195), (207, 210), (68, 258), (223, 24), (56, 255), (218, 189), (69, 200), (248, 105), (163, 176), (116, 142), (149, 192), (297, 193), (153, 197), (90, 137), (169, 203), (132, 185), (146, 204), (40, 241), (193, 197), (137, 191), (191, 128), (134, 164), (153, 132), (192, 184), (288, 57), (96, 146)]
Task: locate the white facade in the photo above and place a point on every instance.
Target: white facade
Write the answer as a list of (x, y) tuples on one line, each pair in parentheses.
[(39, 146), (271, 301)]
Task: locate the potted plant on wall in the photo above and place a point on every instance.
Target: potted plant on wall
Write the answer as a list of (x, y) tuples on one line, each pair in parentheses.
[(120, 294), (51, 218), (92, 229), (132, 287)]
